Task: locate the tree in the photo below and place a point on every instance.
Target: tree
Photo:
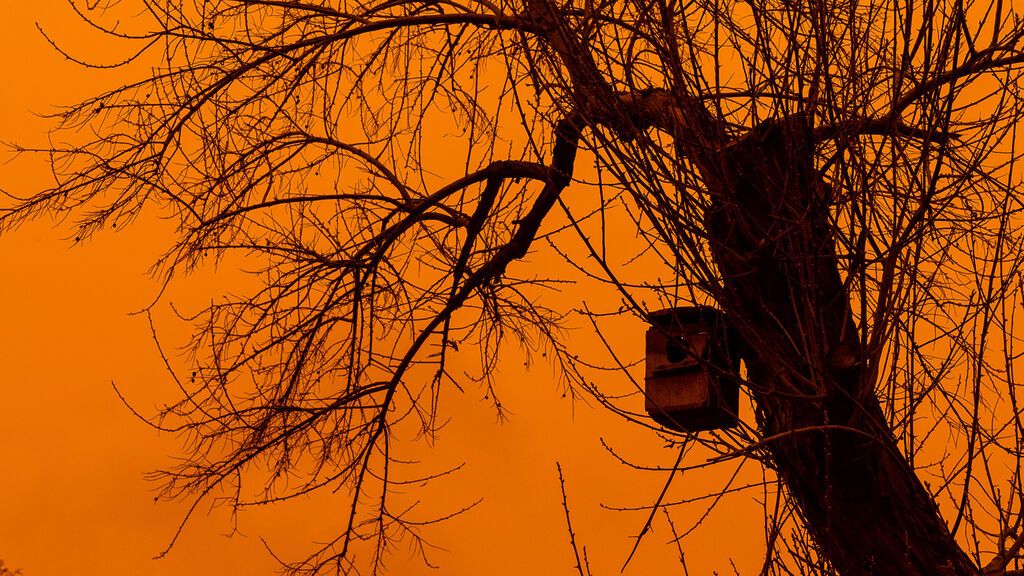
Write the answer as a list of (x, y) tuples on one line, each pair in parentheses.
[(840, 178)]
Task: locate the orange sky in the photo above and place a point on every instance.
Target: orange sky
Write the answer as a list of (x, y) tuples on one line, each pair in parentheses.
[(72, 496)]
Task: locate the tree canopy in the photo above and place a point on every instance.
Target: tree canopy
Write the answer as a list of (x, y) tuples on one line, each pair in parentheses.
[(841, 178)]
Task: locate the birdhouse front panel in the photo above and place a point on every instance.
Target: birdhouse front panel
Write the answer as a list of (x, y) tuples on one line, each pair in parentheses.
[(689, 402), (677, 391), (670, 350)]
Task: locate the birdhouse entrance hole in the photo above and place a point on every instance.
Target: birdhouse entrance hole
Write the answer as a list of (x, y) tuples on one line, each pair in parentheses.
[(692, 370)]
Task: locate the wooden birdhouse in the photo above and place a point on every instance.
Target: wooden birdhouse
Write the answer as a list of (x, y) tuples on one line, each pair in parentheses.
[(691, 370)]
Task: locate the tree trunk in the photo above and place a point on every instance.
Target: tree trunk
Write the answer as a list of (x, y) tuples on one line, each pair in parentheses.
[(828, 438)]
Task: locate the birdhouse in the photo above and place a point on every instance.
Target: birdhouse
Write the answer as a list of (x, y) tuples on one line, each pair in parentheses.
[(691, 370)]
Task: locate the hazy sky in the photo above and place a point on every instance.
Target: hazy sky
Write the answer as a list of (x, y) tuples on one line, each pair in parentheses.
[(72, 495)]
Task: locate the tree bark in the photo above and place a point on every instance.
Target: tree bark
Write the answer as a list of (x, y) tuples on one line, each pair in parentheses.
[(827, 436)]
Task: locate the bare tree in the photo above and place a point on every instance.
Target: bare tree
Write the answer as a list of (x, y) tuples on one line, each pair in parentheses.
[(840, 178)]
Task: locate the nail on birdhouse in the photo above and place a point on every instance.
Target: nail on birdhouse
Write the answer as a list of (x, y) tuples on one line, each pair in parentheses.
[(691, 370)]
